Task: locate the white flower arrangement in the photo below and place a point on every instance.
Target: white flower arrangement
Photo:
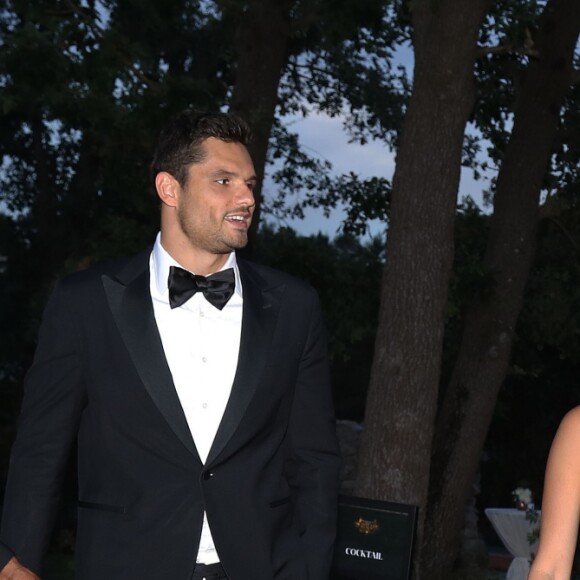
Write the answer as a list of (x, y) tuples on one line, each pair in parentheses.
[(524, 501), (522, 494)]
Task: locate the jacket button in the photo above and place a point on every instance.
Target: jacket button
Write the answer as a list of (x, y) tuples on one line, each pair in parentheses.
[(207, 475)]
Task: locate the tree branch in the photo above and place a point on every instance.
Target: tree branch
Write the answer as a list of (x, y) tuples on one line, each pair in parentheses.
[(508, 49), (567, 234)]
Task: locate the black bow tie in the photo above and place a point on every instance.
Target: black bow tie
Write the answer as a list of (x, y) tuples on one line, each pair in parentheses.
[(217, 288)]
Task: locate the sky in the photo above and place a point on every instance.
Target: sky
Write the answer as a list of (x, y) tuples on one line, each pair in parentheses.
[(323, 137)]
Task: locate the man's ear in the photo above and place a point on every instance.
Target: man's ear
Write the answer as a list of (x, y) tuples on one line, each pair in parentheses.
[(167, 188)]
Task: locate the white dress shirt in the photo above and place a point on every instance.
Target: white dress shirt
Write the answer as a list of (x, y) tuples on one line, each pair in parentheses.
[(201, 345)]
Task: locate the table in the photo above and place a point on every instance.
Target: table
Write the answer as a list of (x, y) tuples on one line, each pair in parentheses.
[(513, 529)]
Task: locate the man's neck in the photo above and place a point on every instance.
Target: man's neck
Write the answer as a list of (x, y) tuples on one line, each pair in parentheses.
[(196, 261)]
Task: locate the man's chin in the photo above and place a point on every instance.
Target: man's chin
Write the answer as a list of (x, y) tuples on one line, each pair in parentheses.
[(239, 242)]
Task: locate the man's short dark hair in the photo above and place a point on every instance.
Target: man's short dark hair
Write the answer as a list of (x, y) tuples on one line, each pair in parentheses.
[(180, 142)]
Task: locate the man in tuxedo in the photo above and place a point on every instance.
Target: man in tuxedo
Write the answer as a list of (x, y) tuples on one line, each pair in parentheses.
[(196, 384)]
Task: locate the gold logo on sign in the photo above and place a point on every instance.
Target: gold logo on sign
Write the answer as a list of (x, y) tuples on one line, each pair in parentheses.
[(367, 527)]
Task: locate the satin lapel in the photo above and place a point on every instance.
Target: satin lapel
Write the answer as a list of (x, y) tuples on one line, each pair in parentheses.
[(132, 309), (261, 307)]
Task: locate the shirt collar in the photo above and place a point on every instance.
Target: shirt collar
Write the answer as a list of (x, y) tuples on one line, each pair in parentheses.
[(161, 261)]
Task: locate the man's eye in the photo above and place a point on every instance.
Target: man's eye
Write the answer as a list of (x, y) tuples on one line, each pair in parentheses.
[(224, 181)]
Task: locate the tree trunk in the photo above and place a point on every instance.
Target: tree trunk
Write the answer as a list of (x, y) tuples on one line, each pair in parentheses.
[(402, 398), (484, 354), (261, 42)]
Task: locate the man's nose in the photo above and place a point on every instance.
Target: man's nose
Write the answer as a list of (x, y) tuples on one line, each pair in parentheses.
[(245, 195)]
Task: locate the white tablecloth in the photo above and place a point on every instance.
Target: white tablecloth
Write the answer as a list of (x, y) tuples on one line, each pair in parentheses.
[(513, 529)]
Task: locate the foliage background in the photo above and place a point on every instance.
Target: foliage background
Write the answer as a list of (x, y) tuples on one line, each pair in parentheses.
[(85, 86)]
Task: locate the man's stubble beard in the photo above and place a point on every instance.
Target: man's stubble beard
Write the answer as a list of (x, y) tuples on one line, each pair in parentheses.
[(217, 244)]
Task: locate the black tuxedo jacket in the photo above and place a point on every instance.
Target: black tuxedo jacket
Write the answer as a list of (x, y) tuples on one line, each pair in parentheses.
[(269, 484)]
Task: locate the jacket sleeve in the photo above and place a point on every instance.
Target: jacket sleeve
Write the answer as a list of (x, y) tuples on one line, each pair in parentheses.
[(47, 426), (313, 471)]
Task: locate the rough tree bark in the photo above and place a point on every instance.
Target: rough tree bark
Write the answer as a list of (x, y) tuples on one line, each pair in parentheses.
[(402, 398), (484, 354), (261, 42)]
